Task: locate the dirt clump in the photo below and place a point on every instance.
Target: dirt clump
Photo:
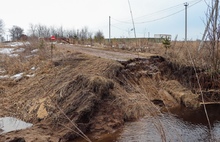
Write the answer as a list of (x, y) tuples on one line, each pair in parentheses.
[(80, 99), (168, 90)]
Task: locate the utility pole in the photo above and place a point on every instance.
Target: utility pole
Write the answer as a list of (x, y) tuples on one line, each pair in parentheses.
[(132, 19), (186, 4), (109, 30)]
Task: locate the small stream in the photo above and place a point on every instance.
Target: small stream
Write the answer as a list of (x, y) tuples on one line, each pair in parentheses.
[(178, 125)]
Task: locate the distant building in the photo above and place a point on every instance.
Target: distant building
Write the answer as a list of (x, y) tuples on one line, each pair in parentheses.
[(23, 37), (162, 36)]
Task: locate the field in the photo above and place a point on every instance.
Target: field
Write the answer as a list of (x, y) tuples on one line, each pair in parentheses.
[(70, 91)]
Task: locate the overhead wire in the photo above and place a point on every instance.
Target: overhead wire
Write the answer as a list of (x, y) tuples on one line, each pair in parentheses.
[(151, 14), (144, 22), (168, 15), (119, 28), (126, 22)]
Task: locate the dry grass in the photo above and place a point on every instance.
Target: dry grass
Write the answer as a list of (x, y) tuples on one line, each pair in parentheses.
[(23, 61), (81, 85), (178, 52)]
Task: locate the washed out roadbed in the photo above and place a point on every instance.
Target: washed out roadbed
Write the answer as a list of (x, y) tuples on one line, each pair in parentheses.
[(77, 93)]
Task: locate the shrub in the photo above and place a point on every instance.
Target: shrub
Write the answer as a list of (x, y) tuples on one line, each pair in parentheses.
[(166, 43)]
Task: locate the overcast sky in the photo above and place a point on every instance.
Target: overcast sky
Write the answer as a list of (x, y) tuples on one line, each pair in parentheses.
[(150, 16)]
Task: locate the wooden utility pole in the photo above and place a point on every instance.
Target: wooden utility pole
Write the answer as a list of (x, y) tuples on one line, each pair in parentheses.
[(132, 19)]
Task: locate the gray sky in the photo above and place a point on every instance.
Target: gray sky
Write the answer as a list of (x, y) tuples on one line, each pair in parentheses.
[(150, 16)]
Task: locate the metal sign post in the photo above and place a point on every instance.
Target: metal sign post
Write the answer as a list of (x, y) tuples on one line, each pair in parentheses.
[(52, 46)]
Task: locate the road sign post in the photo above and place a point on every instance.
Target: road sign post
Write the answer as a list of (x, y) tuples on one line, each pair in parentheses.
[(52, 46)]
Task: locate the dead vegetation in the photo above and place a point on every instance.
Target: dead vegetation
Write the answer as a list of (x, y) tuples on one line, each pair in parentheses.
[(73, 93)]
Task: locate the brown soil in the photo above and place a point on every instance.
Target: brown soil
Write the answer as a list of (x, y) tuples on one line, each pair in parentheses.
[(78, 93)]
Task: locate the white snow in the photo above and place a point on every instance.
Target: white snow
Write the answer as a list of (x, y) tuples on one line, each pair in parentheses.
[(4, 77), (17, 76), (33, 68), (14, 44), (29, 56), (30, 75), (19, 50), (8, 124), (10, 51), (35, 50), (13, 55), (2, 70), (6, 50)]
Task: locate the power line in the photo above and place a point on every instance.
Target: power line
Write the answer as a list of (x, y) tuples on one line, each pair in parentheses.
[(160, 17), (151, 14), (118, 28), (130, 23), (125, 22), (159, 11), (167, 15)]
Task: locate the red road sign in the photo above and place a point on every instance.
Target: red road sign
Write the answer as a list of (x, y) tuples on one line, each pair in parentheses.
[(52, 38)]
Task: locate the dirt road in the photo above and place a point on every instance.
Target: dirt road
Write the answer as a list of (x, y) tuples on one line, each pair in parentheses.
[(103, 53)]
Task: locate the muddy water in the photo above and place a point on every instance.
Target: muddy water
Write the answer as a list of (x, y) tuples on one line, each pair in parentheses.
[(8, 124), (178, 125)]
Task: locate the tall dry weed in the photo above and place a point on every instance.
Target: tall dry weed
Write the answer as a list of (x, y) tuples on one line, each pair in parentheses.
[(22, 61)]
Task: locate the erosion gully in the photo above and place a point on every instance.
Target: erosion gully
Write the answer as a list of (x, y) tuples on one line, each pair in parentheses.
[(178, 124)]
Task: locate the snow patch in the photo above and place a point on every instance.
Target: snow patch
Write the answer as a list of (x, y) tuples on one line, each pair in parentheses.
[(6, 50), (17, 76), (15, 44), (19, 50), (2, 70), (10, 51), (4, 77), (33, 68), (30, 75), (13, 55), (35, 50)]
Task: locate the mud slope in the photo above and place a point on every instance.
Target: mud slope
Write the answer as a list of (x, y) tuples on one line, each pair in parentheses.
[(79, 94)]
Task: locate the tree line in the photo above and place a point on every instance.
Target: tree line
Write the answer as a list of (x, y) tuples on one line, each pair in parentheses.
[(42, 31)]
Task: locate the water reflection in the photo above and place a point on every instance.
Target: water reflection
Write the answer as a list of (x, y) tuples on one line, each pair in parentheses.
[(181, 124)]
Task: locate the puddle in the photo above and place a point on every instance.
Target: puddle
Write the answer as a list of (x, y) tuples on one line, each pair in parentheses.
[(8, 124), (181, 124)]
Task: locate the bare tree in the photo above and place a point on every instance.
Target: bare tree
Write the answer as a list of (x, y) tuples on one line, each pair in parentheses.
[(70, 33), (99, 37), (16, 32), (53, 31), (43, 31), (213, 33), (60, 32), (32, 30), (90, 34), (1, 28), (83, 35)]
